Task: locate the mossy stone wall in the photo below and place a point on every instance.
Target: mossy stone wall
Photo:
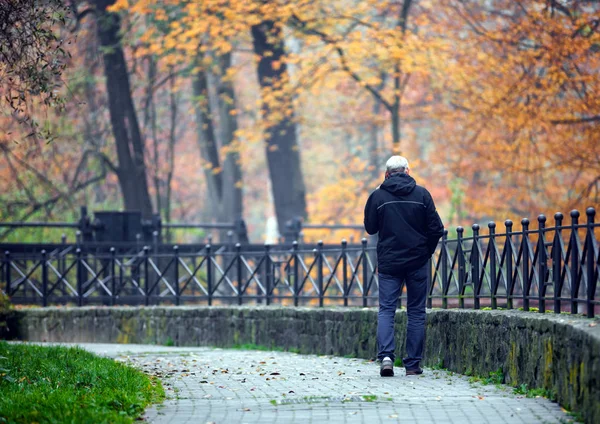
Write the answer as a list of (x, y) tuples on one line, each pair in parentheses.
[(559, 353)]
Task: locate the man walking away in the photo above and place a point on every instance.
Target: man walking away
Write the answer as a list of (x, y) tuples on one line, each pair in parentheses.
[(409, 229)]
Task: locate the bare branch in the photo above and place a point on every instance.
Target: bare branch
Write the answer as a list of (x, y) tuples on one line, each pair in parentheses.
[(576, 121)]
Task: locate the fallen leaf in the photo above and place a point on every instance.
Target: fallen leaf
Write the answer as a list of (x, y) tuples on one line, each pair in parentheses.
[(246, 409), (393, 416)]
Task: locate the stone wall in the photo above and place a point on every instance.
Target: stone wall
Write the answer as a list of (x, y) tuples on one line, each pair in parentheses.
[(559, 353)]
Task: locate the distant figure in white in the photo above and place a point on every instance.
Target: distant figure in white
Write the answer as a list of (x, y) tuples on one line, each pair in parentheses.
[(271, 231)]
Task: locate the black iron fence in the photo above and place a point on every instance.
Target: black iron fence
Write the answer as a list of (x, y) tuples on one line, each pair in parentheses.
[(123, 227), (551, 268)]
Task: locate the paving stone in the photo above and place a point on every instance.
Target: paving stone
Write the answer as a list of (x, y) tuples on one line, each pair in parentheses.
[(208, 385)]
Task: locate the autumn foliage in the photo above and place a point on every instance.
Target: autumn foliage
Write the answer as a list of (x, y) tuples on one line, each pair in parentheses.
[(495, 104)]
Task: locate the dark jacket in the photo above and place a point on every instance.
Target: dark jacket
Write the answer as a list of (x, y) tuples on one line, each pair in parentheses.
[(409, 226)]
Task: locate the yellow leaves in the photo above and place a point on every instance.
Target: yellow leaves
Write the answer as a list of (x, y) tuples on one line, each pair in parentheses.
[(118, 6), (160, 15)]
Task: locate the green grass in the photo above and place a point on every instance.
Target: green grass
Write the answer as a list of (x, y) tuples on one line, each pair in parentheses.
[(69, 385), (496, 377), (252, 346), (439, 366), (532, 393), (398, 362)]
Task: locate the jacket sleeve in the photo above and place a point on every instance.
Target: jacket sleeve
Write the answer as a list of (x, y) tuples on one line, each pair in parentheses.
[(435, 227), (371, 218)]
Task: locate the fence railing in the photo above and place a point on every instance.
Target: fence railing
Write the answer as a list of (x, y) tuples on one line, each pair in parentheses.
[(551, 268)]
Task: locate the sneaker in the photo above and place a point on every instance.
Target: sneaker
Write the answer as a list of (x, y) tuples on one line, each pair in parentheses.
[(387, 367), (416, 371)]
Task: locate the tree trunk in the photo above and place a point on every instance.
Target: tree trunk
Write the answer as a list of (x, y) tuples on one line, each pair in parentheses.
[(207, 142), (232, 173), (283, 154), (171, 161), (130, 148), (395, 110), (150, 120), (396, 127), (374, 164)]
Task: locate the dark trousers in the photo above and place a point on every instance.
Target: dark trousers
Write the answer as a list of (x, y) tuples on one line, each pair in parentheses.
[(389, 292)]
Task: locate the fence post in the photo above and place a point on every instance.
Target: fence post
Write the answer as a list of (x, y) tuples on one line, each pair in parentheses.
[(268, 274), (295, 272), (209, 273), (113, 278), (365, 271), (445, 285), (240, 276), (62, 262), (493, 263), (176, 275), (320, 270), (461, 267), (229, 240), (509, 264), (475, 267), (542, 264), (147, 274), (8, 282), (241, 231), (345, 271), (429, 282), (556, 262), (590, 261), (155, 242), (525, 264), (44, 278), (574, 262), (79, 277)]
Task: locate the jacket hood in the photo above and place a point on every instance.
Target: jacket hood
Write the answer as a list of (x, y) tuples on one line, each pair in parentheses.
[(399, 184)]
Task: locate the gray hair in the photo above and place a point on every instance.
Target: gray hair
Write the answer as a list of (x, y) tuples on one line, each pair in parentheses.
[(396, 164)]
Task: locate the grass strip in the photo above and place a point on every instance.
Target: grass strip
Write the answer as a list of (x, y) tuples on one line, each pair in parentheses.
[(41, 384)]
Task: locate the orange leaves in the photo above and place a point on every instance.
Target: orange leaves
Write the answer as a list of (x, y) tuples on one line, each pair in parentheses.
[(512, 77)]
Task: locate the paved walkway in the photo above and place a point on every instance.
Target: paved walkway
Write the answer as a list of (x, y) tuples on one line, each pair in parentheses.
[(206, 385)]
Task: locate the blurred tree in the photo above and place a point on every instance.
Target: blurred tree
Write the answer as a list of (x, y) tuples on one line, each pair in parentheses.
[(520, 113), (131, 168), (283, 153)]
